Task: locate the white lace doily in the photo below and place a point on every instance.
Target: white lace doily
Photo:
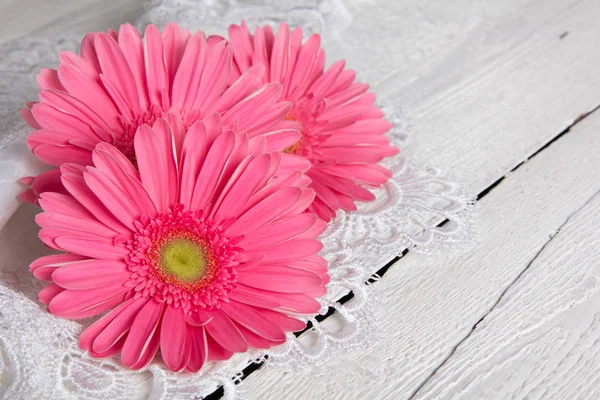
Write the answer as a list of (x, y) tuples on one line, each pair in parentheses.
[(40, 358)]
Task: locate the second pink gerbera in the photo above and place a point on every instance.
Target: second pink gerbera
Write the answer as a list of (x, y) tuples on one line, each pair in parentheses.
[(343, 133), (202, 251), (122, 81)]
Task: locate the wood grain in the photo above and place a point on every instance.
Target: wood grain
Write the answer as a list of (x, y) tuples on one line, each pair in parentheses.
[(23, 18), (542, 341), (484, 85), (435, 300)]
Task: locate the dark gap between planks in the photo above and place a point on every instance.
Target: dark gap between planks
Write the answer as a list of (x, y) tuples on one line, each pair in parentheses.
[(217, 394)]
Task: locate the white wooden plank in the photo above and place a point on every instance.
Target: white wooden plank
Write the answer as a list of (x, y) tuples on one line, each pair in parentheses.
[(23, 18), (459, 72), (435, 300), (483, 83), (542, 341)]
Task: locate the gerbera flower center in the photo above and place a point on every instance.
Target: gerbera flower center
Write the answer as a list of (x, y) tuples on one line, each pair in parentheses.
[(123, 140), (182, 258), (310, 139)]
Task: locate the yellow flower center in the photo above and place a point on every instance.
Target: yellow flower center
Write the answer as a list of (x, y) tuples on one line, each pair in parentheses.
[(183, 259)]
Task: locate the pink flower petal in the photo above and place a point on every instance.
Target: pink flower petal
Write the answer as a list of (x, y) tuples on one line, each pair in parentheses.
[(92, 248), (77, 187), (187, 79), (49, 292), (91, 274), (116, 69), (140, 340), (115, 199), (118, 327), (224, 332), (266, 211), (73, 303), (216, 352), (88, 336), (280, 279), (248, 317), (156, 69), (172, 337), (130, 42), (199, 350)]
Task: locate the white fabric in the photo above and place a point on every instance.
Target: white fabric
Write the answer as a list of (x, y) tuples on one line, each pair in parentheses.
[(40, 358)]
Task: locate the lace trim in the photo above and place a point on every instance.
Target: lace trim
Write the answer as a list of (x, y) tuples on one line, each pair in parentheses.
[(39, 356)]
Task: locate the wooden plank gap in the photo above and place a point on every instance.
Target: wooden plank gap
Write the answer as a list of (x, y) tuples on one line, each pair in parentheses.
[(499, 299)]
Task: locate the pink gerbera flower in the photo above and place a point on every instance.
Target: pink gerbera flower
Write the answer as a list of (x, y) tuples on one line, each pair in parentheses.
[(343, 133), (202, 251), (122, 81)]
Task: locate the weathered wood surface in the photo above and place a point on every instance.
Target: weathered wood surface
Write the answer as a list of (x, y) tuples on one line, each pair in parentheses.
[(484, 85)]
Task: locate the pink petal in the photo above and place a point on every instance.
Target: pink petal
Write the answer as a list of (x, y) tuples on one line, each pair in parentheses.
[(320, 86), (118, 326), (116, 69), (149, 351), (49, 292), (91, 274), (92, 248), (168, 159), (271, 122), (88, 50), (283, 321), (43, 267), (156, 69), (248, 111), (50, 117), (214, 77), (279, 56), (255, 341), (73, 303), (140, 338), (216, 352), (254, 297), (247, 83), (278, 232), (63, 204), (199, 351), (224, 332), (372, 174), (175, 40), (28, 117), (142, 198), (50, 219), (147, 148), (77, 108), (130, 42), (246, 184), (279, 279), (293, 249), (187, 79), (113, 163), (242, 45), (172, 337), (304, 66), (77, 187), (212, 169), (112, 196), (86, 88), (48, 79), (192, 157), (248, 317), (265, 211), (57, 155), (88, 336)]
